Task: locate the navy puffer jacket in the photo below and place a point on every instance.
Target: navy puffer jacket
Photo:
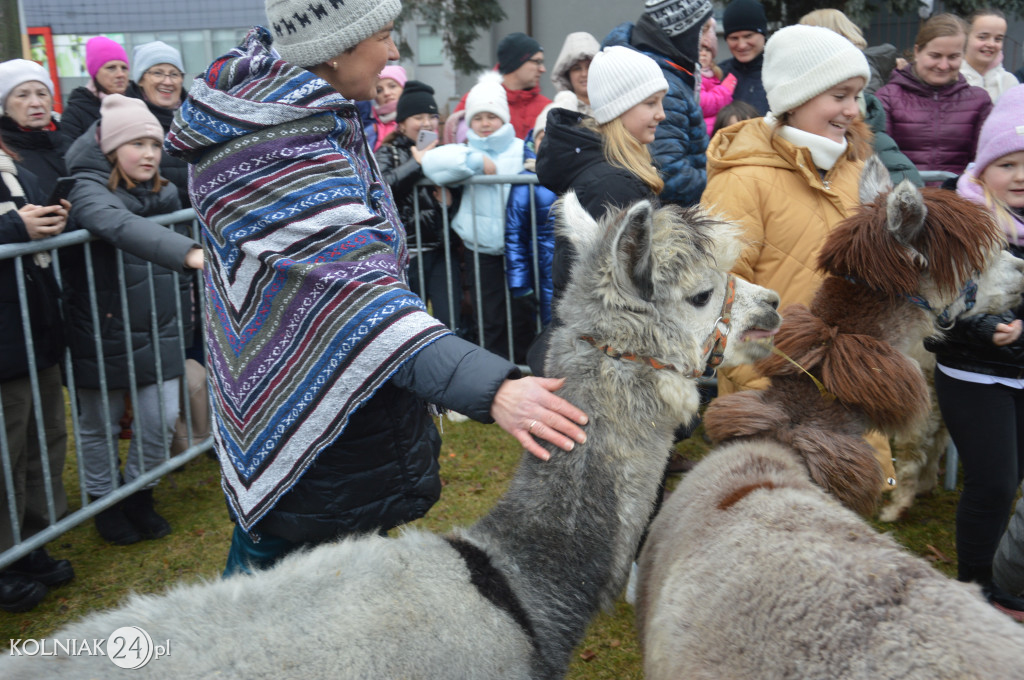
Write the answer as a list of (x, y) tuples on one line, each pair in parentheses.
[(682, 138), (936, 127)]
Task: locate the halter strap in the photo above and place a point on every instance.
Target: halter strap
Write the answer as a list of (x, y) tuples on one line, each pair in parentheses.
[(714, 346)]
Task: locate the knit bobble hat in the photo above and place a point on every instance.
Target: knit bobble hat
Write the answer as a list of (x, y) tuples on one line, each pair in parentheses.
[(311, 32), (148, 55), (101, 50), (488, 95), (395, 73), (1003, 130), (123, 119), (619, 79), (801, 62), (675, 17), (17, 71), (416, 98), (514, 50), (744, 15)]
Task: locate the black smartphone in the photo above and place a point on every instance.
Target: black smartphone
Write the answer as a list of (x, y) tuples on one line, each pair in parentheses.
[(61, 190)]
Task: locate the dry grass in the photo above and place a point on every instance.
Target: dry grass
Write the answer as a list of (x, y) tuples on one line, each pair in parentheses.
[(476, 463)]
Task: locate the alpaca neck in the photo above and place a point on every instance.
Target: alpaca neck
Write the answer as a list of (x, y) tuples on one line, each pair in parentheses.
[(566, 531)]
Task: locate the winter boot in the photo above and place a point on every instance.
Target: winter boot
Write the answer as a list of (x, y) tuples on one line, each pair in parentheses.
[(19, 593), (114, 526), (139, 509), (39, 566)]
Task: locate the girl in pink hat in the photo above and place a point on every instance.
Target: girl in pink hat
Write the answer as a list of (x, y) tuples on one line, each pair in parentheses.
[(390, 85)]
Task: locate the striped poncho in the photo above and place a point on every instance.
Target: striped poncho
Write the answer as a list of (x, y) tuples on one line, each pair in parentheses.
[(309, 311)]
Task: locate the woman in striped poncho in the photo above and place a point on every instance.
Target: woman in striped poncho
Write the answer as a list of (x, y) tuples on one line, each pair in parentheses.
[(322, 361)]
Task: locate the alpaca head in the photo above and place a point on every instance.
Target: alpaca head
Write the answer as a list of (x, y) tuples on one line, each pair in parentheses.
[(654, 283), (928, 245)]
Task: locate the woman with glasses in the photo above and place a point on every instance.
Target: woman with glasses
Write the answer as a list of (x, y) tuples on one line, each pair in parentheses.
[(107, 64), (159, 71)]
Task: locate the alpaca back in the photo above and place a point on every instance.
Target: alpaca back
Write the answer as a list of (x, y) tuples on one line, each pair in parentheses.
[(751, 571)]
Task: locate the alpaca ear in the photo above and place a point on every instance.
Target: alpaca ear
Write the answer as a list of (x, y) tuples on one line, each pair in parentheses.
[(575, 223), (905, 213), (631, 247), (874, 180)]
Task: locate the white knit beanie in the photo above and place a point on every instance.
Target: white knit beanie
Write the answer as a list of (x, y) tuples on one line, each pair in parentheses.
[(311, 32), (801, 62), (619, 79), (488, 95), (17, 71), (150, 54), (125, 119)]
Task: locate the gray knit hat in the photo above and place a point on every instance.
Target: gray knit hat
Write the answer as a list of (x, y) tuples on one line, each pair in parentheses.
[(148, 55), (310, 32)]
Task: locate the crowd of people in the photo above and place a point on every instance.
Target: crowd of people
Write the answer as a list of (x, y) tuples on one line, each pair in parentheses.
[(342, 308)]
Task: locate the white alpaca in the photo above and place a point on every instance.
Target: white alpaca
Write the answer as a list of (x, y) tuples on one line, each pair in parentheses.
[(511, 596)]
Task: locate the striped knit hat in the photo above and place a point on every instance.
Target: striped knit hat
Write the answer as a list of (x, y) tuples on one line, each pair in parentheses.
[(311, 32)]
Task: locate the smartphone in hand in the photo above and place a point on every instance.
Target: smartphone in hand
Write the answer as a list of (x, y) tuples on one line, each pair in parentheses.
[(61, 190), (425, 138)]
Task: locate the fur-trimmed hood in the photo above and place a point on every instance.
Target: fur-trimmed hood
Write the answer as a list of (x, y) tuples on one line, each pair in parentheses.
[(577, 46)]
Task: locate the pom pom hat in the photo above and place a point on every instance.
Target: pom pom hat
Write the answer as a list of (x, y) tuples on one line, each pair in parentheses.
[(1003, 130), (488, 95), (18, 71), (101, 50), (311, 32), (801, 62), (124, 119), (619, 79)]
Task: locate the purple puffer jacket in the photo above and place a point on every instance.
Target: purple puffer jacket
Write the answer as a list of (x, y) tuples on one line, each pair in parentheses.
[(937, 128)]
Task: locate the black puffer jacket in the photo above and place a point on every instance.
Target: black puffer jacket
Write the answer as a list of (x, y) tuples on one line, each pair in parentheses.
[(401, 171), (83, 109), (383, 470), (40, 288), (41, 151), (118, 218), (572, 157), (968, 345)]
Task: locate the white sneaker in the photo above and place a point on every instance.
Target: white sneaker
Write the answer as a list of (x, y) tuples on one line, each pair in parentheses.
[(631, 585), (457, 417)]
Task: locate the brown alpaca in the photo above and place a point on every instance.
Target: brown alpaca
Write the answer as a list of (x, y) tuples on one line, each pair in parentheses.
[(900, 269)]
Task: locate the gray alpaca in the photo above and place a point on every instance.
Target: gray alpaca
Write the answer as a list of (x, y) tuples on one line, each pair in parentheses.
[(751, 571), (511, 596)]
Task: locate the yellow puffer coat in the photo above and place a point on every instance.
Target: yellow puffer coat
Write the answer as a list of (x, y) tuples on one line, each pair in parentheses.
[(771, 188)]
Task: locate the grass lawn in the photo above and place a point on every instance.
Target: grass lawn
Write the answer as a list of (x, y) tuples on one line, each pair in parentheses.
[(476, 463)]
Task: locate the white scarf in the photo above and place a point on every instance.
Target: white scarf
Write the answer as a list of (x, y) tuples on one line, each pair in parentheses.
[(9, 174), (824, 152)]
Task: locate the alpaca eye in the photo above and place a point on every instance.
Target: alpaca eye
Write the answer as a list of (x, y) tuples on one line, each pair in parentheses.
[(701, 299)]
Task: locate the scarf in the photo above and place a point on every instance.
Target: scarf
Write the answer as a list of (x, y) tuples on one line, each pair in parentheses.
[(824, 152), (309, 311), (9, 176), (970, 186)]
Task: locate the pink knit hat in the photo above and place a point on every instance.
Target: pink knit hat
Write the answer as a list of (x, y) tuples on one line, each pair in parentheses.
[(396, 73), (124, 119), (1003, 131), (99, 51)]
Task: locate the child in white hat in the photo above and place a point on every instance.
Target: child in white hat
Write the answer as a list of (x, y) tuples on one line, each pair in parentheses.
[(491, 148)]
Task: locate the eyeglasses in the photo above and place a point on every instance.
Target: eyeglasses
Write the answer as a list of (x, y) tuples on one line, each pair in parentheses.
[(160, 75), (538, 62)]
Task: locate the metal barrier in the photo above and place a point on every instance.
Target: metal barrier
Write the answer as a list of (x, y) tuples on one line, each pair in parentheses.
[(55, 246)]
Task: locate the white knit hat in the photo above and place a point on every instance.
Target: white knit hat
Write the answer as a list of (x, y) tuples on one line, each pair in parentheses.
[(150, 54), (488, 95), (619, 79), (801, 62), (17, 71), (311, 32)]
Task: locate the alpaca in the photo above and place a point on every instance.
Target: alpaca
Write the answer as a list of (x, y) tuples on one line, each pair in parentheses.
[(902, 268), (752, 570), (649, 302), (916, 453)]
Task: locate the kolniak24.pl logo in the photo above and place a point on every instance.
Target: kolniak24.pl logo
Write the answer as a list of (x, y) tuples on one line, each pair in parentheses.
[(128, 647)]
